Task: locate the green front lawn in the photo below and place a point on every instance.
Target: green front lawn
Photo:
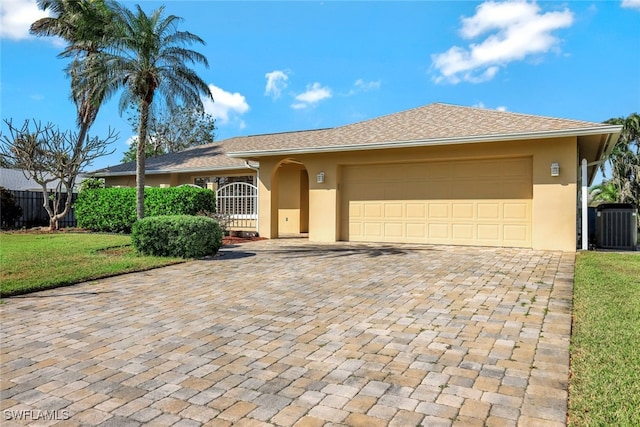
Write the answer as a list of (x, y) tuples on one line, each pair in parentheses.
[(30, 262), (604, 387)]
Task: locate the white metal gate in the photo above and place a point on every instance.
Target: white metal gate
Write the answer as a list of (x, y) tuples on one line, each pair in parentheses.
[(237, 203)]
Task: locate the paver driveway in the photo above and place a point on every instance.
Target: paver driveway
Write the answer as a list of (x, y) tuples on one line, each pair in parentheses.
[(291, 333)]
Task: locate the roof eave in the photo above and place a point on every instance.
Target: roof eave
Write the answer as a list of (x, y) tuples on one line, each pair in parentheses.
[(165, 171), (611, 129)]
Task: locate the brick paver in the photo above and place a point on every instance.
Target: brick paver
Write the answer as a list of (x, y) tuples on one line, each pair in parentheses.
[(291, 333)]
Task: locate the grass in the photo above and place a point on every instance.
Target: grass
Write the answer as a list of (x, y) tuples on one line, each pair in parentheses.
[(31, 262), (604, 387)]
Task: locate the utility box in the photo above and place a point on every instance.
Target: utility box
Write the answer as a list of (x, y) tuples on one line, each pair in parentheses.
[(617, 226)]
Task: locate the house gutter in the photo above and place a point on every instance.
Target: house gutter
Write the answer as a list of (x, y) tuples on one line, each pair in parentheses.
[(611, 129)]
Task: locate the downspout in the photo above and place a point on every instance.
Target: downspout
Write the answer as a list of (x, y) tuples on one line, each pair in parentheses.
[(257, 169), (585, 208)]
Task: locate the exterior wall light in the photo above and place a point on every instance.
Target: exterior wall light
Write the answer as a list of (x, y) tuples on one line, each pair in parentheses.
[(555, 169), (320, 178)]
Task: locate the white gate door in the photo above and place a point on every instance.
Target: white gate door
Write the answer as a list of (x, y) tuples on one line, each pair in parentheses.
[(237, 203)]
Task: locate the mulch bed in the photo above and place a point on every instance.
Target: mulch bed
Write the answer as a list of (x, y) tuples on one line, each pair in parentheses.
[(234, 240)]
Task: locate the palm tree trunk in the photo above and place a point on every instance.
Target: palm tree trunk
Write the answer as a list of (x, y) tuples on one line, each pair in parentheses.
[(140, 157)]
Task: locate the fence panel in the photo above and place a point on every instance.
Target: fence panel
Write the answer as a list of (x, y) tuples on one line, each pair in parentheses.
[(34, 214)]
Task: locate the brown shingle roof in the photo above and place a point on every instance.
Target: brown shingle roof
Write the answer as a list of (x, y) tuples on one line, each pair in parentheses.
[(433, 122), (429, 123)]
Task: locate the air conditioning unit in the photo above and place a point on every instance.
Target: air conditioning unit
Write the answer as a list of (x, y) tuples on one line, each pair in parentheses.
[(617, 226)]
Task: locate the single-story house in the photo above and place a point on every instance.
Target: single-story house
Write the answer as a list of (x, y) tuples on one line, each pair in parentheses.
[(437, 174), (17, 180)]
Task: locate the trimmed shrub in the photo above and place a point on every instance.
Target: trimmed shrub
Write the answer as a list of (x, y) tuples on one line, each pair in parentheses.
[(185, 200), (183, 236), (111, 210), (114, 209), (10, 211)]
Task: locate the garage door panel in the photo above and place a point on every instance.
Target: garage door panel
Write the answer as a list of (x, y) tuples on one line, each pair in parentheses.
[(416, 231), (355, 210), (438, 231), (393, 229), (438, 211), (462, 231), (416, 210), (516, 233), (373, 210), (393, 210), (488, 232), (489, 211), (462, 210), (373, 229), (481, 202), (356, 228), (516, 211)]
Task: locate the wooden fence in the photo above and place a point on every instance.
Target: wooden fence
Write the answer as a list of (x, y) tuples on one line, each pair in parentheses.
[(34, 214)]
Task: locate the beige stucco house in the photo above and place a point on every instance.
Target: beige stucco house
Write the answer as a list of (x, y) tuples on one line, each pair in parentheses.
[(438, 174)]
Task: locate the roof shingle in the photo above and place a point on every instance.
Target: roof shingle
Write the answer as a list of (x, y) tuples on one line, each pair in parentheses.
[(431, 122)]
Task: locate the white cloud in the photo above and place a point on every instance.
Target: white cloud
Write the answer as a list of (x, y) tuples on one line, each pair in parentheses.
[(631, 4), (364, 86), (276, 83), (360, 85), (514, 30), (16, 17), (314, 94), (226, 106), (481, 105)]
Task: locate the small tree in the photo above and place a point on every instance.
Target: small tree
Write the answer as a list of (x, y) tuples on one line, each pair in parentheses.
[(172, 131), (92, 183), (48, 156)]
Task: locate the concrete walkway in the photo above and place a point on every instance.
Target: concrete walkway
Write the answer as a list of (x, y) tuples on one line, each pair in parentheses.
[(286, 332)]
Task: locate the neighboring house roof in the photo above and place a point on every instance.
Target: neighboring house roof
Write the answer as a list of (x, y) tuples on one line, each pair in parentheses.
[(432, 124), (15, 179)]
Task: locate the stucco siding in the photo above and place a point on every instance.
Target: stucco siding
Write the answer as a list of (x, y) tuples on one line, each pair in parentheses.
[(549, 207)]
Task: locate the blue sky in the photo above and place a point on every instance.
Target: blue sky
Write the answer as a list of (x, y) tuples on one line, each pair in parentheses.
[(283, 66)]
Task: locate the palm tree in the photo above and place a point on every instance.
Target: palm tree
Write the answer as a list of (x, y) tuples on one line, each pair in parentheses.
[(605, 192), (87, 27), (148, 58), (624, 160)]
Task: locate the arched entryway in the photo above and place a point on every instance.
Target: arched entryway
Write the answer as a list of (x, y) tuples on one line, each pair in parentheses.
[(290, 199)]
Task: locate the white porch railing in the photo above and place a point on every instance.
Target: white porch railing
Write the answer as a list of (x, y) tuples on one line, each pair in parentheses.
[(238, 204)]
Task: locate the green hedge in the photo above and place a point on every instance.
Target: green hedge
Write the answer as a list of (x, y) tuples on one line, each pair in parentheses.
[(114, 209), (177, 236)]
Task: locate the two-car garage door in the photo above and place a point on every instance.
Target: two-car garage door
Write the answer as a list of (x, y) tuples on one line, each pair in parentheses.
[(468, 202)]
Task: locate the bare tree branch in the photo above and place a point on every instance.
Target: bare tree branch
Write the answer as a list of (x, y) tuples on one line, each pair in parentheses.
[(47, 155)]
